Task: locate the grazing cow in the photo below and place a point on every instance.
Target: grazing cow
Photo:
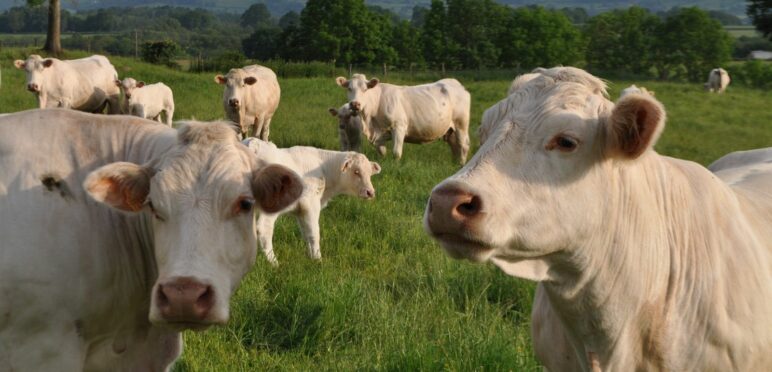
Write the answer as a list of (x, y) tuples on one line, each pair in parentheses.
[(147, 101), (413, 114), (718, 80), (349, 128), (633, 89), (250, 98), (84, 84), (119, 233), (326, 174), (645, 262)]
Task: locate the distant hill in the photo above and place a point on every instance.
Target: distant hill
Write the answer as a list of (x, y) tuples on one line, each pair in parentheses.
[(402, 7)]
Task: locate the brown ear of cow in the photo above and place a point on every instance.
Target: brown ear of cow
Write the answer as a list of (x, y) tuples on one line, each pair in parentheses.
[(140, 84), (19, 64), (219, 79), (373, 82), (276, 187), (333, 111), (634, 126), (122, 186), (48, 63), (251, 80), (342, 81), (117, 82)]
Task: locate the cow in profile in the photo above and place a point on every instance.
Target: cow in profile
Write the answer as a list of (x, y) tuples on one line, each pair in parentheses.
[(644, 262)]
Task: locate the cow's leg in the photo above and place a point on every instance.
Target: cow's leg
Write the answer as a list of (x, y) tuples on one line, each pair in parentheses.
[(380, 145), (400, 130), (169, 112), (308, 219), (550, 341), (257, 127), (42, 101), (265, 224), (158, 118), (114, 105), (266, 131)]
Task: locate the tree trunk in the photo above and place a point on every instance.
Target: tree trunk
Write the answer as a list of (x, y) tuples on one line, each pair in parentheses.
[(54, 35)]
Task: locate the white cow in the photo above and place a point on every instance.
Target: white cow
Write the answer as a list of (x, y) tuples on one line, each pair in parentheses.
[(84, 84), (326, 174), (718, 80), (645, 262), (119, 233), (413, 114), (633, 89), (250, 98), (147, 101)]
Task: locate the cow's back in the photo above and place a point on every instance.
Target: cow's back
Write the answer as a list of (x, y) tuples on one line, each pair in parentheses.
[(266, 93), (427, 109), (90, 81)]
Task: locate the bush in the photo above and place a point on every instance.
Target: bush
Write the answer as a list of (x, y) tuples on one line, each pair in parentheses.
[(222, 62), (756, 74), (161, 52)]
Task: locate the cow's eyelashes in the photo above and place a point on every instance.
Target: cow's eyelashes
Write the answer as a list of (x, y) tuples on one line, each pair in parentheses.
[(563, 143), (245, 205), (152, 210)]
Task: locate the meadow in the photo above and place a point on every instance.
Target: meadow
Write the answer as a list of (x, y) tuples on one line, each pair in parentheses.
[(385, 296)]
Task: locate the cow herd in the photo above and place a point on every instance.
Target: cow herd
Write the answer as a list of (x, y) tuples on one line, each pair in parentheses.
[(119, 233)]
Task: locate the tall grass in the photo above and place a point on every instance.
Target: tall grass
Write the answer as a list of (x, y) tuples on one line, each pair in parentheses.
[(385, 297)]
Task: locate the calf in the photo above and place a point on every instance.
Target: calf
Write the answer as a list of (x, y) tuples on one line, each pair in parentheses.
[(84, 84), (644, 262), (349, 128), (326, 174), (147, 101), (413, 114)]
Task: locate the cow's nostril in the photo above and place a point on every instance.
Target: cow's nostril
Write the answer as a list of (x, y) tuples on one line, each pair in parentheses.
[(206, 300), (161, 298), (470, 208)]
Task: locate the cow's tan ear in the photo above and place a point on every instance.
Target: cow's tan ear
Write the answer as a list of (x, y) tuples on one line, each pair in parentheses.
[(333, 111), (634, 126), (140, 84), (19, 64), (342, 81), (276, 187), (48, 63), (373, 82), (123, 186), (251, 80), (376, 167), (219, 79), (117, 82), (347, 163)]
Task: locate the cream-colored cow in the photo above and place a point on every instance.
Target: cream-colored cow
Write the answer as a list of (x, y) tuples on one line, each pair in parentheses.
[(644, 262), (326, 174), (147, 101), (718, 80), (250, 98)]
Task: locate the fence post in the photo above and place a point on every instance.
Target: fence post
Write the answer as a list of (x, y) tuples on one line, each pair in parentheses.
[(349, 70), (136, 46)]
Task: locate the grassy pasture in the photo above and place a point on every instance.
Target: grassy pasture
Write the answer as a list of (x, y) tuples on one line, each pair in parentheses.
[(385, 297)]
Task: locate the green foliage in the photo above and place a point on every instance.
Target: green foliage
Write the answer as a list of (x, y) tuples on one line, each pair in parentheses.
[(534, 36), (617, 38), (752, 73), (257, 16), (160, 52), (760, 12), (744, 45), (263, 43)]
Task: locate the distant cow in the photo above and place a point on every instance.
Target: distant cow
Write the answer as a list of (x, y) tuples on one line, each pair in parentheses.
[(250, 98), (633, 89), (118, 233), (349, 128), (644, 262), (413, 114), (147, 101), (718, 80), (326, 174), (85, 84)]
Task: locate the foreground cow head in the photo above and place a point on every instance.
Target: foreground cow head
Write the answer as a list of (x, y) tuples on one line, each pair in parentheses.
[(355, 176), (128, 85), (37, 69), (356, 88), (201, 196), (235, 83), (538, 186), (350, 128)]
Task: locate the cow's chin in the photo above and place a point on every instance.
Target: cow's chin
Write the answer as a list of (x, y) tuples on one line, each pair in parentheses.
[(180, 326), (459, 247)]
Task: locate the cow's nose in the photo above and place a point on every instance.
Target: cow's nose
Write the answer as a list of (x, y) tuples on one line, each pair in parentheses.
[(234, 102), (369, 194), (32, 87), (452, 207), (128, 95), (184, 299), (355, 105)]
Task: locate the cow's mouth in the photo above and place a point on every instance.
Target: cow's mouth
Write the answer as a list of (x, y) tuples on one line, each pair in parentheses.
[(184, 325), (462, 247)]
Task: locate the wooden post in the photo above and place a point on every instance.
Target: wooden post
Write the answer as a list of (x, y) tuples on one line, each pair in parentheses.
[(136, 46)]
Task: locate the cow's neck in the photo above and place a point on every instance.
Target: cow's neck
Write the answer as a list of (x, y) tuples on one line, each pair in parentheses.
[(652, 276)]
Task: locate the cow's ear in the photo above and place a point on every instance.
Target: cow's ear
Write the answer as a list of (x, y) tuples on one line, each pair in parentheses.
[(20, 64), (117, 82), (48, 63), (373, 82), (347, 163), (342, 81), (219, 79), (251, 80), (333, 111), (140, 84), (123, 186), (276, 187), (634, 126), (376, 167)]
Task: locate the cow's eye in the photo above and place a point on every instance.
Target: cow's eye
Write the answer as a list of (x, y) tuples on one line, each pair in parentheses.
[(245, 205), (153, 211), (563, 143), (356, 172)]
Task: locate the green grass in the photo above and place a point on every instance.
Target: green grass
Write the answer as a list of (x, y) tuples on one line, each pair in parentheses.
[(385, 296)]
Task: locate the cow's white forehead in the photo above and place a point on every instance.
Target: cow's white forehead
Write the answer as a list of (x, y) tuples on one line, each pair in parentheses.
[(236, 74)]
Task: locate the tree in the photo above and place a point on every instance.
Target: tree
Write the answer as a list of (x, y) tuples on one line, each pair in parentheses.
[(257, 15), (407, 44), (620, 40), (434, 37), (760, 12), (54, 34), (289, 19), (537, 37), (263, 43)]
